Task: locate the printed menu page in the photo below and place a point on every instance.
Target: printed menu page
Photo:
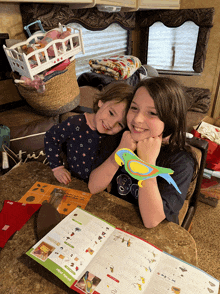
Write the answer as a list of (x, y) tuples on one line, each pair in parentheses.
[(91, 256), (124, 264), (175, 276), (69, 247)]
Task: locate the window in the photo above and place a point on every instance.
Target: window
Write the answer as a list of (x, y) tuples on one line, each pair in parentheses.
[(100, 44), (172, 49), (175, 40)]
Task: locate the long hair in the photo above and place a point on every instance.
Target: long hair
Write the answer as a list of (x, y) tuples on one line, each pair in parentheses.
[(171, 105)]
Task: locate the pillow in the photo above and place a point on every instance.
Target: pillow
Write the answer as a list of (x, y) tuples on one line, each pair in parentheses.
[(27, 132), (198, 99)]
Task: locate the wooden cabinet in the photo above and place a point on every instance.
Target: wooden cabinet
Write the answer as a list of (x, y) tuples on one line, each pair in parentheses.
[(126, 5), (141, 4), (121, 3), (158, 4)]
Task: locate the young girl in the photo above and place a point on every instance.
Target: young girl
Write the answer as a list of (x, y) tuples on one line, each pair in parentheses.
[(156, 123), (84, 135)]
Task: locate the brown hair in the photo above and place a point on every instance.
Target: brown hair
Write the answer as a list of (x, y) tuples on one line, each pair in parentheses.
[(118, 91), (170, 102)]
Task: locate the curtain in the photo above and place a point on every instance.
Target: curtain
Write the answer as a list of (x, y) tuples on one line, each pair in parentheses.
[(90, 18), (174, 18)]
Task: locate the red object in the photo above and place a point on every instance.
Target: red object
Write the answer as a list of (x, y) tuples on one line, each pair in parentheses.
[(213, 154), (111, 277), (12, 218), (206, 183), (210, 188), (60, 66)]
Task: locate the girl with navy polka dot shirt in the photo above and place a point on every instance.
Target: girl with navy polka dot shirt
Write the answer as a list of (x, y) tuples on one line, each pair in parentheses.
[(84, 135)]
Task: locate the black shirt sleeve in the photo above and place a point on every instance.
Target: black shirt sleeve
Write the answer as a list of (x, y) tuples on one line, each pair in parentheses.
[(183, 165)]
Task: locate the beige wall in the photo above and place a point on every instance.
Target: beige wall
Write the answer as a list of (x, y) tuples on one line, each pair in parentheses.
[(11, 21), (209, 77)]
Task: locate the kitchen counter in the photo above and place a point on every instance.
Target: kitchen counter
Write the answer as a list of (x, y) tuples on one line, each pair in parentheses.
[(21, 275)]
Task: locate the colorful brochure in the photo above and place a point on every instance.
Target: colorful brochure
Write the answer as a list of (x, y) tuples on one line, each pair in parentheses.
[(91, 256)]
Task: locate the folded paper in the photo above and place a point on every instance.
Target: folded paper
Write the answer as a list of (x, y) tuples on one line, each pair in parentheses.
[(140, 170)]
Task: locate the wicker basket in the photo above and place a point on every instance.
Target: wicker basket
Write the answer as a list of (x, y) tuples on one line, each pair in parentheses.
[(61, 94)]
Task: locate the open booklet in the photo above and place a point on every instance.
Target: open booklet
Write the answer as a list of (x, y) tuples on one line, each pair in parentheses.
[(91, 256)]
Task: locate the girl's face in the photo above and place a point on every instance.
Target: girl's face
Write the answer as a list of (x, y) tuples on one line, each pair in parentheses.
[(110, 119), (142, 118)]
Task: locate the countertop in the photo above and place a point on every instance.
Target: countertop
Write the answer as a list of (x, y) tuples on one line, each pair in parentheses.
[(20, 274)]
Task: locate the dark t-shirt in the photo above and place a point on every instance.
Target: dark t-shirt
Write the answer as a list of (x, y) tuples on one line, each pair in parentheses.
[(126, 187)]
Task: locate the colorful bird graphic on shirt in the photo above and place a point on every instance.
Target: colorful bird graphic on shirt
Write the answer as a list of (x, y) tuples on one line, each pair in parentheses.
[(140, 170)]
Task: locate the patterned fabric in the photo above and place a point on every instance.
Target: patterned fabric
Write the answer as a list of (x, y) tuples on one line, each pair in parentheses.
[(118, 66), (82, 144)]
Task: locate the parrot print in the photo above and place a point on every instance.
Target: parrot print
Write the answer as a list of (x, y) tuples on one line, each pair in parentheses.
[(140, 170)]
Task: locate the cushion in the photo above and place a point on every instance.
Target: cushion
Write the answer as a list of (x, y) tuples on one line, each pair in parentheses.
[(29, 138), (183, 211), (99, 80), (27, 132), (193, 119), (87, 95), (9, 92), (198, 99), (21, 116), (192, 185), (191, 189)]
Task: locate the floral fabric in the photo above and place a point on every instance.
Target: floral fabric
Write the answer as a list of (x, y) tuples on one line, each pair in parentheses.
[(119, 66)]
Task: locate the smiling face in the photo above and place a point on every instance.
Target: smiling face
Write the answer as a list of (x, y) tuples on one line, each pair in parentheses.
[(142, 117), (110, 119)]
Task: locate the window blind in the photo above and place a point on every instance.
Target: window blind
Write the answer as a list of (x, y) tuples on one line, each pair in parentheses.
[(172, 48), (100, 44)]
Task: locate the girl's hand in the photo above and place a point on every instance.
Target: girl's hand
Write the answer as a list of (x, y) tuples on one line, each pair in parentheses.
[(149, 149), (127, 142), (62, 175)]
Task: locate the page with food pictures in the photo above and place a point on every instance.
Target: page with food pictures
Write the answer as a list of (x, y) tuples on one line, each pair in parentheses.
[(124, 265), (174, 276), (70, 246)]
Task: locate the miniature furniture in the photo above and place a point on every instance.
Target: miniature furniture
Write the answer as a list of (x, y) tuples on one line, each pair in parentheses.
[(42, 58)]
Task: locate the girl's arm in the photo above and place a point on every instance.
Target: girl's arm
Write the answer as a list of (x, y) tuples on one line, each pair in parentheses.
[(149, 198), (102, 176), (53, 146), (53, 140), (150, 203), (62, 174)]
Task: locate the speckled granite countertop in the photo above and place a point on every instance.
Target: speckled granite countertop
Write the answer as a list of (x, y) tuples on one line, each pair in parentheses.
[(19, 274)]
